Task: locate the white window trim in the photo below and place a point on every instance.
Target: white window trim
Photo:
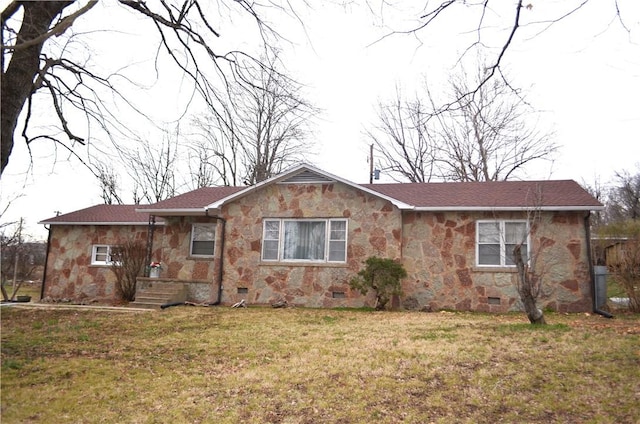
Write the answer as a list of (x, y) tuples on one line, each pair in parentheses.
[(202, 224), (501, 222), (94, 252), (327, 239)]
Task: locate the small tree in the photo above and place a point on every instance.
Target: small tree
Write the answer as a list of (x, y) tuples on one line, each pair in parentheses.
[(381, 275), (128, 262), (624, 259), (529, 285)]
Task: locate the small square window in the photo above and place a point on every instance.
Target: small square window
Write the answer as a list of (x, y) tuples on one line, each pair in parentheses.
[(243, 290), (339, 295)]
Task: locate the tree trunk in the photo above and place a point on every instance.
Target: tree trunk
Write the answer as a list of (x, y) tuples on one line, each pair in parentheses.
[(525, 289), (17, 81)]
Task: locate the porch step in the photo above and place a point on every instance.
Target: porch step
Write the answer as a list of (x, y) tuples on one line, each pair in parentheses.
[(157, 294)]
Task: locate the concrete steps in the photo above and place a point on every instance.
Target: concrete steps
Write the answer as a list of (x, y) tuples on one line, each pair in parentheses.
[(156, 294)]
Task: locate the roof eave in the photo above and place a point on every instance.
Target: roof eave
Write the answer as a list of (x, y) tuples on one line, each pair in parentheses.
[(95, 223), (505, 208), (175, 212)]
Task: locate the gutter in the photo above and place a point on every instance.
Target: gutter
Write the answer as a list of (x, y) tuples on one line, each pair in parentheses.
[(221, 270), (594, 290)]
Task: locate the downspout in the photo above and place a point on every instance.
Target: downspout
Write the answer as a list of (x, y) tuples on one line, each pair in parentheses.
[(220, 271), (150, 230), (594, 290), (46, 261)]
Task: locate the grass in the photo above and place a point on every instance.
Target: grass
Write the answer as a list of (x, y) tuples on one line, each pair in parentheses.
[(261, 365)]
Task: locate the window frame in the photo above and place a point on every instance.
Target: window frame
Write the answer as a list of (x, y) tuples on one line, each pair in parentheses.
[(94, 254), (329, 232), (501, 223), (192, 239)]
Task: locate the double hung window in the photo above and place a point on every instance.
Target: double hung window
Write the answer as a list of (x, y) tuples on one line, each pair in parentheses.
[(495, 241), (310, 240), (203, 238)]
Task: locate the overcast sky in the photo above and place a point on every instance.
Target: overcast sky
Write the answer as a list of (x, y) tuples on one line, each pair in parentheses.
[(583, 74)]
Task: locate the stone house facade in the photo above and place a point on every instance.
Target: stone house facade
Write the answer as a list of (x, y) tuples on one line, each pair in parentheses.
[(302, 235)]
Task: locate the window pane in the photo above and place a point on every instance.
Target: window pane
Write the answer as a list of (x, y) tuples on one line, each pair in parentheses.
[(202, 248), (270, 250), (271, 230), (338, 230), (204, 232), (489, 232), (489, 254), (337, 251), (304, 240), (515, 232)]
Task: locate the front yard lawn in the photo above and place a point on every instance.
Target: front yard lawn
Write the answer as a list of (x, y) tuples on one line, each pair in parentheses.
[(263, 365)]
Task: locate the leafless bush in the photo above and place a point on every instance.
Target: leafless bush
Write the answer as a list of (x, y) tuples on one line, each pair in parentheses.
[(128, 262)]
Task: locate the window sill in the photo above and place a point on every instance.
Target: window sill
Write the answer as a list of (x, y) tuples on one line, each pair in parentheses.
[(505, 269), (305, 264), (200, 258)]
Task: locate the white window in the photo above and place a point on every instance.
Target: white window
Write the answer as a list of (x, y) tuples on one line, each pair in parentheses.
[(101, 254), (309, 240), (495, 241), (203, 238)]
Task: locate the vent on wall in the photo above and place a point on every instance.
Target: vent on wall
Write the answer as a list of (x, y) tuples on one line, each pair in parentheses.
[(306, 177), (493, 300)]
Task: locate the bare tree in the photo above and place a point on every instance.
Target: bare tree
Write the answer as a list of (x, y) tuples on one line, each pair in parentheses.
[(262, 130), (128, 262), (624, 197), (491, 30), (403, 137), (186, 30), (487, 136), (152, 170), (109, 183), (218, 148)]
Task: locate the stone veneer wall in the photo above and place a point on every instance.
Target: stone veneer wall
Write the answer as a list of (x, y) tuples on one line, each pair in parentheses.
[(174, 241), (373, 229), (69, 273), (439, 255)]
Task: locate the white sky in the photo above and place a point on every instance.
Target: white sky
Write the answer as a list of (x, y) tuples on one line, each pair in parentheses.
[(583, 73)]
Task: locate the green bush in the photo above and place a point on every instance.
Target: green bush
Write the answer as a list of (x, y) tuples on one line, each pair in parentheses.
[(382, 276)]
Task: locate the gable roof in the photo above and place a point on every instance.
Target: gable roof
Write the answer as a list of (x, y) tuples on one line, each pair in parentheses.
[(101, 215), (303, 174), (444, 196), (492, 195)]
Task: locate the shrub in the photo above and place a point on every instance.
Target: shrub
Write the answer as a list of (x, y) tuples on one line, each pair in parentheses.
[(128, 261), (383, 277)]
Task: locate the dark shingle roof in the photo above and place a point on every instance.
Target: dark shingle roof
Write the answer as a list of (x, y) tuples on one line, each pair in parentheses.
[(196, 199), (101, 215), (561, 194)]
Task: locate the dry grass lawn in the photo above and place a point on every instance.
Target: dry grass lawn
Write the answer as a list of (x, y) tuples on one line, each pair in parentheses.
[(261, 365)]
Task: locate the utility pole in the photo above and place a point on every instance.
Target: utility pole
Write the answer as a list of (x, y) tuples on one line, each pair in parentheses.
[(371, 164)]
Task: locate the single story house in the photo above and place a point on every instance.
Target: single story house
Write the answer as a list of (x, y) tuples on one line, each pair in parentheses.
[(302, 235)]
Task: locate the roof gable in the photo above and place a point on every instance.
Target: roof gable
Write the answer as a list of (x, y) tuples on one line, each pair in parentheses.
[(307, 174)]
